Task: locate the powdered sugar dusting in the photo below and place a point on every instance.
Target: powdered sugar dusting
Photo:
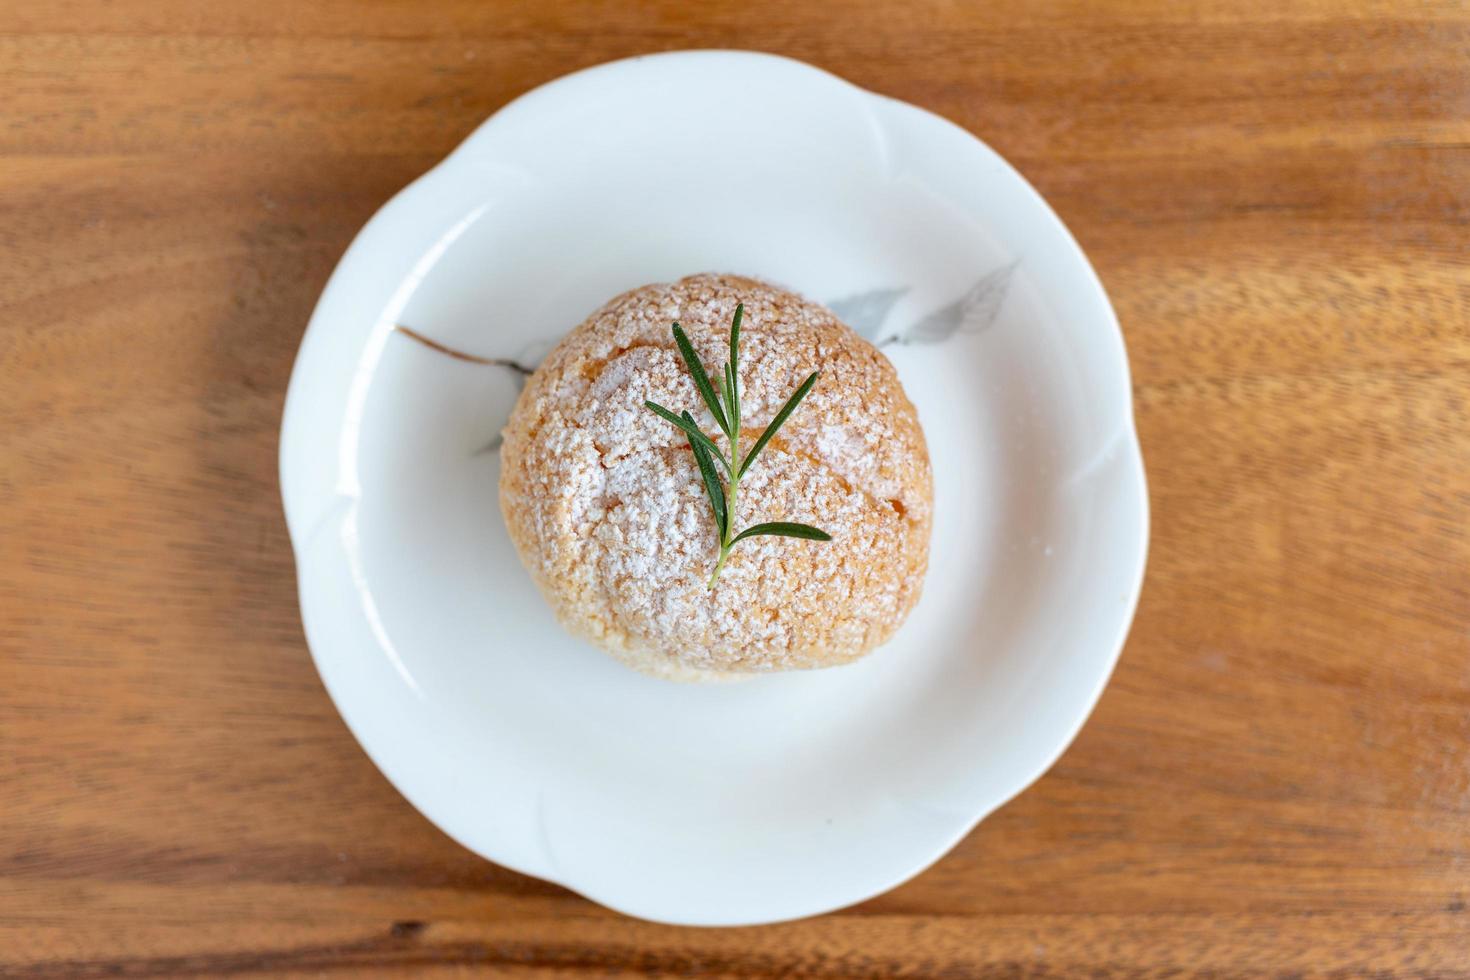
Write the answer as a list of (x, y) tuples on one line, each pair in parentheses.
[(605, 504)]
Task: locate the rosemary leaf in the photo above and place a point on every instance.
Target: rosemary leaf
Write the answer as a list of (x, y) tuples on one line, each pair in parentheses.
[(712, 484), (732, 396), (735, 336), (689, 429), (725, 389), (734, 400), (701, 380), (784, 529), (776, 423)]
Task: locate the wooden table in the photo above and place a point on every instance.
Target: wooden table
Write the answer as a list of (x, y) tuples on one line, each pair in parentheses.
[(1277, 196)]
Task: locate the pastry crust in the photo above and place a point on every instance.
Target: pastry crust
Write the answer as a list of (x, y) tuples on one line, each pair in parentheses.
[(606, 508)]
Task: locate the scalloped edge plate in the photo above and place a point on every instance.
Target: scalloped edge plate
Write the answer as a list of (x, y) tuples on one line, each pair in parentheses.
[(787, 795)]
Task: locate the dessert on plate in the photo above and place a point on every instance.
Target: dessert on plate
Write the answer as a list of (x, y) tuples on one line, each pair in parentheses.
[(702, 522)]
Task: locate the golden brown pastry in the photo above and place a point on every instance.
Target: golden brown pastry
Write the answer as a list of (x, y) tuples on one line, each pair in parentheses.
[(605, 505)]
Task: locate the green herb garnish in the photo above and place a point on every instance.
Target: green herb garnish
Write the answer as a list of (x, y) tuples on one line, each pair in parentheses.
[(722, 495)]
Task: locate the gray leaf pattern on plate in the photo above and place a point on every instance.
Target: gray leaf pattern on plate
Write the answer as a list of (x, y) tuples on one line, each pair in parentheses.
[(866, 312), (972, 313)]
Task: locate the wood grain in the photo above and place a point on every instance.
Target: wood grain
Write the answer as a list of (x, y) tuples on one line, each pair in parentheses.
[(1277, 782)]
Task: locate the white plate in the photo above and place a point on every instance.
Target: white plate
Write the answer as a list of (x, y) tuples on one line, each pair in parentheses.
[(786, 795)]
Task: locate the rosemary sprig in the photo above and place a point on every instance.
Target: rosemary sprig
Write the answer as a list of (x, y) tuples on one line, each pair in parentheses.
[(724, 405)]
